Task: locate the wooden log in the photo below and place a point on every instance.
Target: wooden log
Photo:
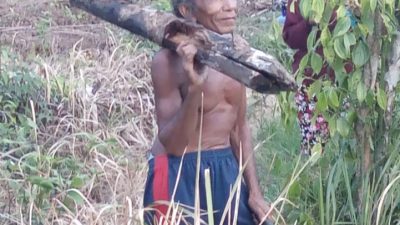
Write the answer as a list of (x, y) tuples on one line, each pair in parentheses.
[(227, 54)]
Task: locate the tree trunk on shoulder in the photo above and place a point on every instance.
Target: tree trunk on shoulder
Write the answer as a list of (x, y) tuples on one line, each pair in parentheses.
[(229, 55)]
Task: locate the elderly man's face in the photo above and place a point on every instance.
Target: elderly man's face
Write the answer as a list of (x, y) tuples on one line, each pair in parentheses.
[(216, 15)]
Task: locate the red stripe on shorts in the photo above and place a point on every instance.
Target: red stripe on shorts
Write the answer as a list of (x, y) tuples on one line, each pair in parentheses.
[(160, 184)]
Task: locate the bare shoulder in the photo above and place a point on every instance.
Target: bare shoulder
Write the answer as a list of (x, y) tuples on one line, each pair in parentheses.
[(163, 63), (164, 71)]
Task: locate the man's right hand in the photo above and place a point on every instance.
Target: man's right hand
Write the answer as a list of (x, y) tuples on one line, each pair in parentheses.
[(187, 52)]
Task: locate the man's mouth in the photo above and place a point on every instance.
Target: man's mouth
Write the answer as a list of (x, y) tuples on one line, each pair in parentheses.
[(229, 18)]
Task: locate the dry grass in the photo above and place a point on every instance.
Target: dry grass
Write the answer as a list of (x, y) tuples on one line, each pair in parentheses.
[(105, 120), (88, 129)]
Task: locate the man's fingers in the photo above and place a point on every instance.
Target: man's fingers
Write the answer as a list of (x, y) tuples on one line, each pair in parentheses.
[(263, 217), (269, 212), (259, 213), (180, 47), (187, 50)]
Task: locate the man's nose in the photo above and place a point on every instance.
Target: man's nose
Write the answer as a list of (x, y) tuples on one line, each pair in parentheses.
[(230, 5)]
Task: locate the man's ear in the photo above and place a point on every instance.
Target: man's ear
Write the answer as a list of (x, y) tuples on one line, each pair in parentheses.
[(186, 11)]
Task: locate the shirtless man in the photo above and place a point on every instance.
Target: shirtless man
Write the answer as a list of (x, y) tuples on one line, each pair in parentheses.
[(179, 84)]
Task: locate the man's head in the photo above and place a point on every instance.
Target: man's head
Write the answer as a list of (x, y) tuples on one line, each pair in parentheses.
[(216, 15)]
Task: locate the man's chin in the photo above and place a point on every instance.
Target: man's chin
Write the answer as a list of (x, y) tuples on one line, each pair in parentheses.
[(226, 30)]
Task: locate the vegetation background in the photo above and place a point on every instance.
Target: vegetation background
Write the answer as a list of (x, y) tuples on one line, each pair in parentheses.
[(76, 121)]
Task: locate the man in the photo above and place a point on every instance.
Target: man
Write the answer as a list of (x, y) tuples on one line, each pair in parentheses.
[(181, 85)]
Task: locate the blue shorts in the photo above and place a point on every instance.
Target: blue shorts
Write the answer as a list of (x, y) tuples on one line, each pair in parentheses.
[(161, 181)]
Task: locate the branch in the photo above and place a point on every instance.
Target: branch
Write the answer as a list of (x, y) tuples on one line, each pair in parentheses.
[(253, 68)]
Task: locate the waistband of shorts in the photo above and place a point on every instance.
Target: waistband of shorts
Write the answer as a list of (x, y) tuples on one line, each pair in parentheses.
[(204, 155)]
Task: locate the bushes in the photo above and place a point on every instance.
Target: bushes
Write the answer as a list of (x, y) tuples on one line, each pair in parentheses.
[(26, 108), (19, 88), (355, 180)]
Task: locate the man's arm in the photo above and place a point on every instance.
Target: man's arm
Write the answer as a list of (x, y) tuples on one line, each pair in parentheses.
[(241, 139), (176, 118)]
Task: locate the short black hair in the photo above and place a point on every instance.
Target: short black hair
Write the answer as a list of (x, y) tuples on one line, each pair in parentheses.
[(176, 3)]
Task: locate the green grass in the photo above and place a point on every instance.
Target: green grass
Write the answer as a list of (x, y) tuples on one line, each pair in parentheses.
[(277, 155), (326, 191)]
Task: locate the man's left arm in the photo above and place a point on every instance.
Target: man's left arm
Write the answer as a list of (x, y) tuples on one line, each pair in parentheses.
[(241, 139)]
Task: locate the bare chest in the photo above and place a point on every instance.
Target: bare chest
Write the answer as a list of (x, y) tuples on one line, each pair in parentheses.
[(219, 91)]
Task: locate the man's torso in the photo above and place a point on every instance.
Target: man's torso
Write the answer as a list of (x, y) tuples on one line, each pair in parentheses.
[(221, 102)]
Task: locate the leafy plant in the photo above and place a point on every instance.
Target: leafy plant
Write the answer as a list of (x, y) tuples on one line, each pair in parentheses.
[(359, 106), (33, 176)]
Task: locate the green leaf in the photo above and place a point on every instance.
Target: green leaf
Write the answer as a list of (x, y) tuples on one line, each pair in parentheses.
[(294, 190), (341, 11), (390, 22), (381, 98), (74, 195), (325, 36), (365, 7), (332, 125), (327, 14), (370, 99), (304, 62), (351, 116), (311, 38), (322, 103), (349, 40), (343, 25), (373, 4), (316, 62), (41, 182), (340, 48), (317, 148), (316, 152), (334, 99), (361, 92), (291, 7), (77, 182), (314, 88), (369, 23), (35, 179), (47, 184), (363, 29), (360, 54), (329, 53), (318, 8), (354, 79), (305, 8), (342, 127)]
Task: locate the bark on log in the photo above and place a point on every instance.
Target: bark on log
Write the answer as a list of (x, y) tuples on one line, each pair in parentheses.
[(253, 68)]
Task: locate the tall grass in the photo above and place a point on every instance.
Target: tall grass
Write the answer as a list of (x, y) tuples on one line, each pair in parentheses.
[(76, 152)]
